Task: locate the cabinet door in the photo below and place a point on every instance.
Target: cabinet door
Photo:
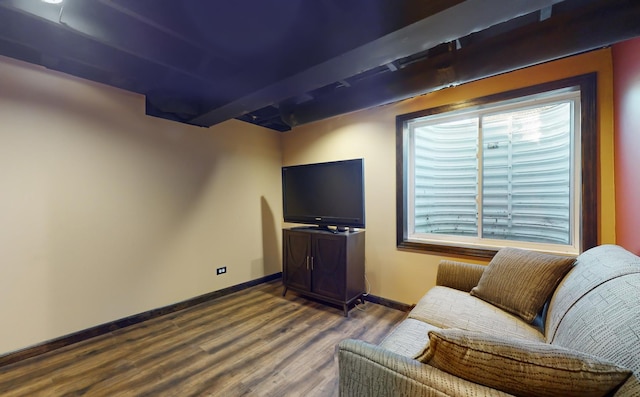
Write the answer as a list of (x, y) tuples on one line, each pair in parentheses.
[(297, 252), (329, 263)]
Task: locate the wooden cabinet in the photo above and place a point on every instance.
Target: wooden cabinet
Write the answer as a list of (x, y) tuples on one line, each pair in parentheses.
[(324, 265)]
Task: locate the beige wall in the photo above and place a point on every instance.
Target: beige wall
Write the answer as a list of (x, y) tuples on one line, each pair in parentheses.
[(106, 212), (405, 276)]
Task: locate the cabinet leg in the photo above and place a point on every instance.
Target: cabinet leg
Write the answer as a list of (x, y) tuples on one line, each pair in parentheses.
[(284, 292), (346, 310)]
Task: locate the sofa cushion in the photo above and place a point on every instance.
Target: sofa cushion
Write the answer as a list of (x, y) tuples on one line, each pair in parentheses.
[(445, 307), (520, 367), (408, 338), (521, 281), (366, 370)]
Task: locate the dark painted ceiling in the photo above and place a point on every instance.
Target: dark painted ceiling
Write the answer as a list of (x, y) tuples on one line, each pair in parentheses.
[(281, 63)]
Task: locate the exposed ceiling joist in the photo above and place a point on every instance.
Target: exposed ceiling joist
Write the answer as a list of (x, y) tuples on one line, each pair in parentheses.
[(445, 26), (95, 21), (283, 64), (576, 33)]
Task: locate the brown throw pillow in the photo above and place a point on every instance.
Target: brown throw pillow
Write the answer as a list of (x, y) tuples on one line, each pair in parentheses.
[(521, 281), (520, 367)]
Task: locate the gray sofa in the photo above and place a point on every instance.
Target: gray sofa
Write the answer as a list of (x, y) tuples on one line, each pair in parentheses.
[(455, 344)]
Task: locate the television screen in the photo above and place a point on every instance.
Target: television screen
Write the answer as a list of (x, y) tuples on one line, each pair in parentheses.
[(324, 194)]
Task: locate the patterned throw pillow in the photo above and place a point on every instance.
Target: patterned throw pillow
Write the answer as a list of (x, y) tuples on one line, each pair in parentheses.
[(520, 367), (521, 281)]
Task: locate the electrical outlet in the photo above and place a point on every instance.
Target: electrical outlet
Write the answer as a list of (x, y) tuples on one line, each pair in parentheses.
[(221, 270)]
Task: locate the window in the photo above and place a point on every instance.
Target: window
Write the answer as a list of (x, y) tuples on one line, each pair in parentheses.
[(515, 169)]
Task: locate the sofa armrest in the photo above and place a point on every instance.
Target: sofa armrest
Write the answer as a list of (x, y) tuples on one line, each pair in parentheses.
[(367, 370), (459, 275)]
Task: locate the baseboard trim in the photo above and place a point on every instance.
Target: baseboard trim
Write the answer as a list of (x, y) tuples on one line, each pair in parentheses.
[(105, 328), (388, 302)]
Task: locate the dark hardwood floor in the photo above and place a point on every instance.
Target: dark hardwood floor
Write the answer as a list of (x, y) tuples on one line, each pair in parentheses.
[(250, 343)]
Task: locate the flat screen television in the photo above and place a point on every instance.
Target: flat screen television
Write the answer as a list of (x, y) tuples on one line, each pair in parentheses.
[(325, 194)]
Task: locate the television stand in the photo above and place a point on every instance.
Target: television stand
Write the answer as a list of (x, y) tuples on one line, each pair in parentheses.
[(325, 265)]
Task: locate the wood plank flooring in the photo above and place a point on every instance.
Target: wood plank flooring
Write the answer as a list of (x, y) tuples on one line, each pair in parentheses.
[(250, 343)]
